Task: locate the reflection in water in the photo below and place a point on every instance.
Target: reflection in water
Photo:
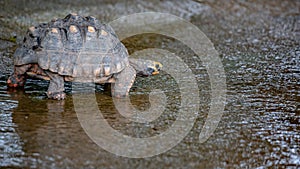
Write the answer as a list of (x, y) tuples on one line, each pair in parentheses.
[(50, 135), (10, 142), (259, 46)]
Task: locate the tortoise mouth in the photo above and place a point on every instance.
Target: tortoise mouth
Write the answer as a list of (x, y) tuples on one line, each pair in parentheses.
[(152, 71)]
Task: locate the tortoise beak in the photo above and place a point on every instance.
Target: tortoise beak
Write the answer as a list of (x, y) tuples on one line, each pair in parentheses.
[(155, 73)]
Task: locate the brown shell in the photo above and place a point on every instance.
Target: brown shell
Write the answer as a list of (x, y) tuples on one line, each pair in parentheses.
[(74, 46)]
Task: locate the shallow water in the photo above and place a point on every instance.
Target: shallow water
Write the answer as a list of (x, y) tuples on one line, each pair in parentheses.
[(258, 44)]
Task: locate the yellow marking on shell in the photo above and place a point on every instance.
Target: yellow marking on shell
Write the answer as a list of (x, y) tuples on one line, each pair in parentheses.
[(73, 13), (54, 19), (118, 66), (91, 29), (97, 72), (112, 80), (54, 30), (31, 29), (106, 71), (103, 32), (73, 29)]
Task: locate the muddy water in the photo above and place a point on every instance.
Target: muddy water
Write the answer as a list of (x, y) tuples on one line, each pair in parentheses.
[(258, 44)]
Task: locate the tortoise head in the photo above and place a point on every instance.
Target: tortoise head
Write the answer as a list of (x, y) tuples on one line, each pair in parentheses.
[(145, 67)]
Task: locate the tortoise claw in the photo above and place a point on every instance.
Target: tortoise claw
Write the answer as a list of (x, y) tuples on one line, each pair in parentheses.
[(56, 95), (16, 81)]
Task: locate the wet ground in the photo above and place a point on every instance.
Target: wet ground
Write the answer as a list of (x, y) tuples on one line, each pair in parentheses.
[(258, 43)]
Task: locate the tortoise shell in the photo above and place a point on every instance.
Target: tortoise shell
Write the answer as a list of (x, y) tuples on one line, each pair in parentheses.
[(74, 46)]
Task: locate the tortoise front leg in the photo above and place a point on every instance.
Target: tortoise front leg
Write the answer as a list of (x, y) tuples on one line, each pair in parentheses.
[(56, 87), (18, 79), (123, 82)]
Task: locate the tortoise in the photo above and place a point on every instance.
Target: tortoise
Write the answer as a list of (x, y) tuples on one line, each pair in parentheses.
[(77, 48)]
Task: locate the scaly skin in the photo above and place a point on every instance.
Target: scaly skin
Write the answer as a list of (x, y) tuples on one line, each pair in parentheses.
[(56, 87), (123, 83), (18, 78)]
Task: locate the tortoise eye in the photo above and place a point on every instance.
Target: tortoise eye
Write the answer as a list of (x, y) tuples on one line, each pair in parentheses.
[(150, 70), (157, 67)]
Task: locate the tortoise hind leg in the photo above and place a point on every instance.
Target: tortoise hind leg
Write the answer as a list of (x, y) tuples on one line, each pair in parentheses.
[(18, 79), (56, 87), (123, 83)]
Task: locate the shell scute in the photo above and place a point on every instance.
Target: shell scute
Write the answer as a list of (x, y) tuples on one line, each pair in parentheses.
[(74, 46)]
